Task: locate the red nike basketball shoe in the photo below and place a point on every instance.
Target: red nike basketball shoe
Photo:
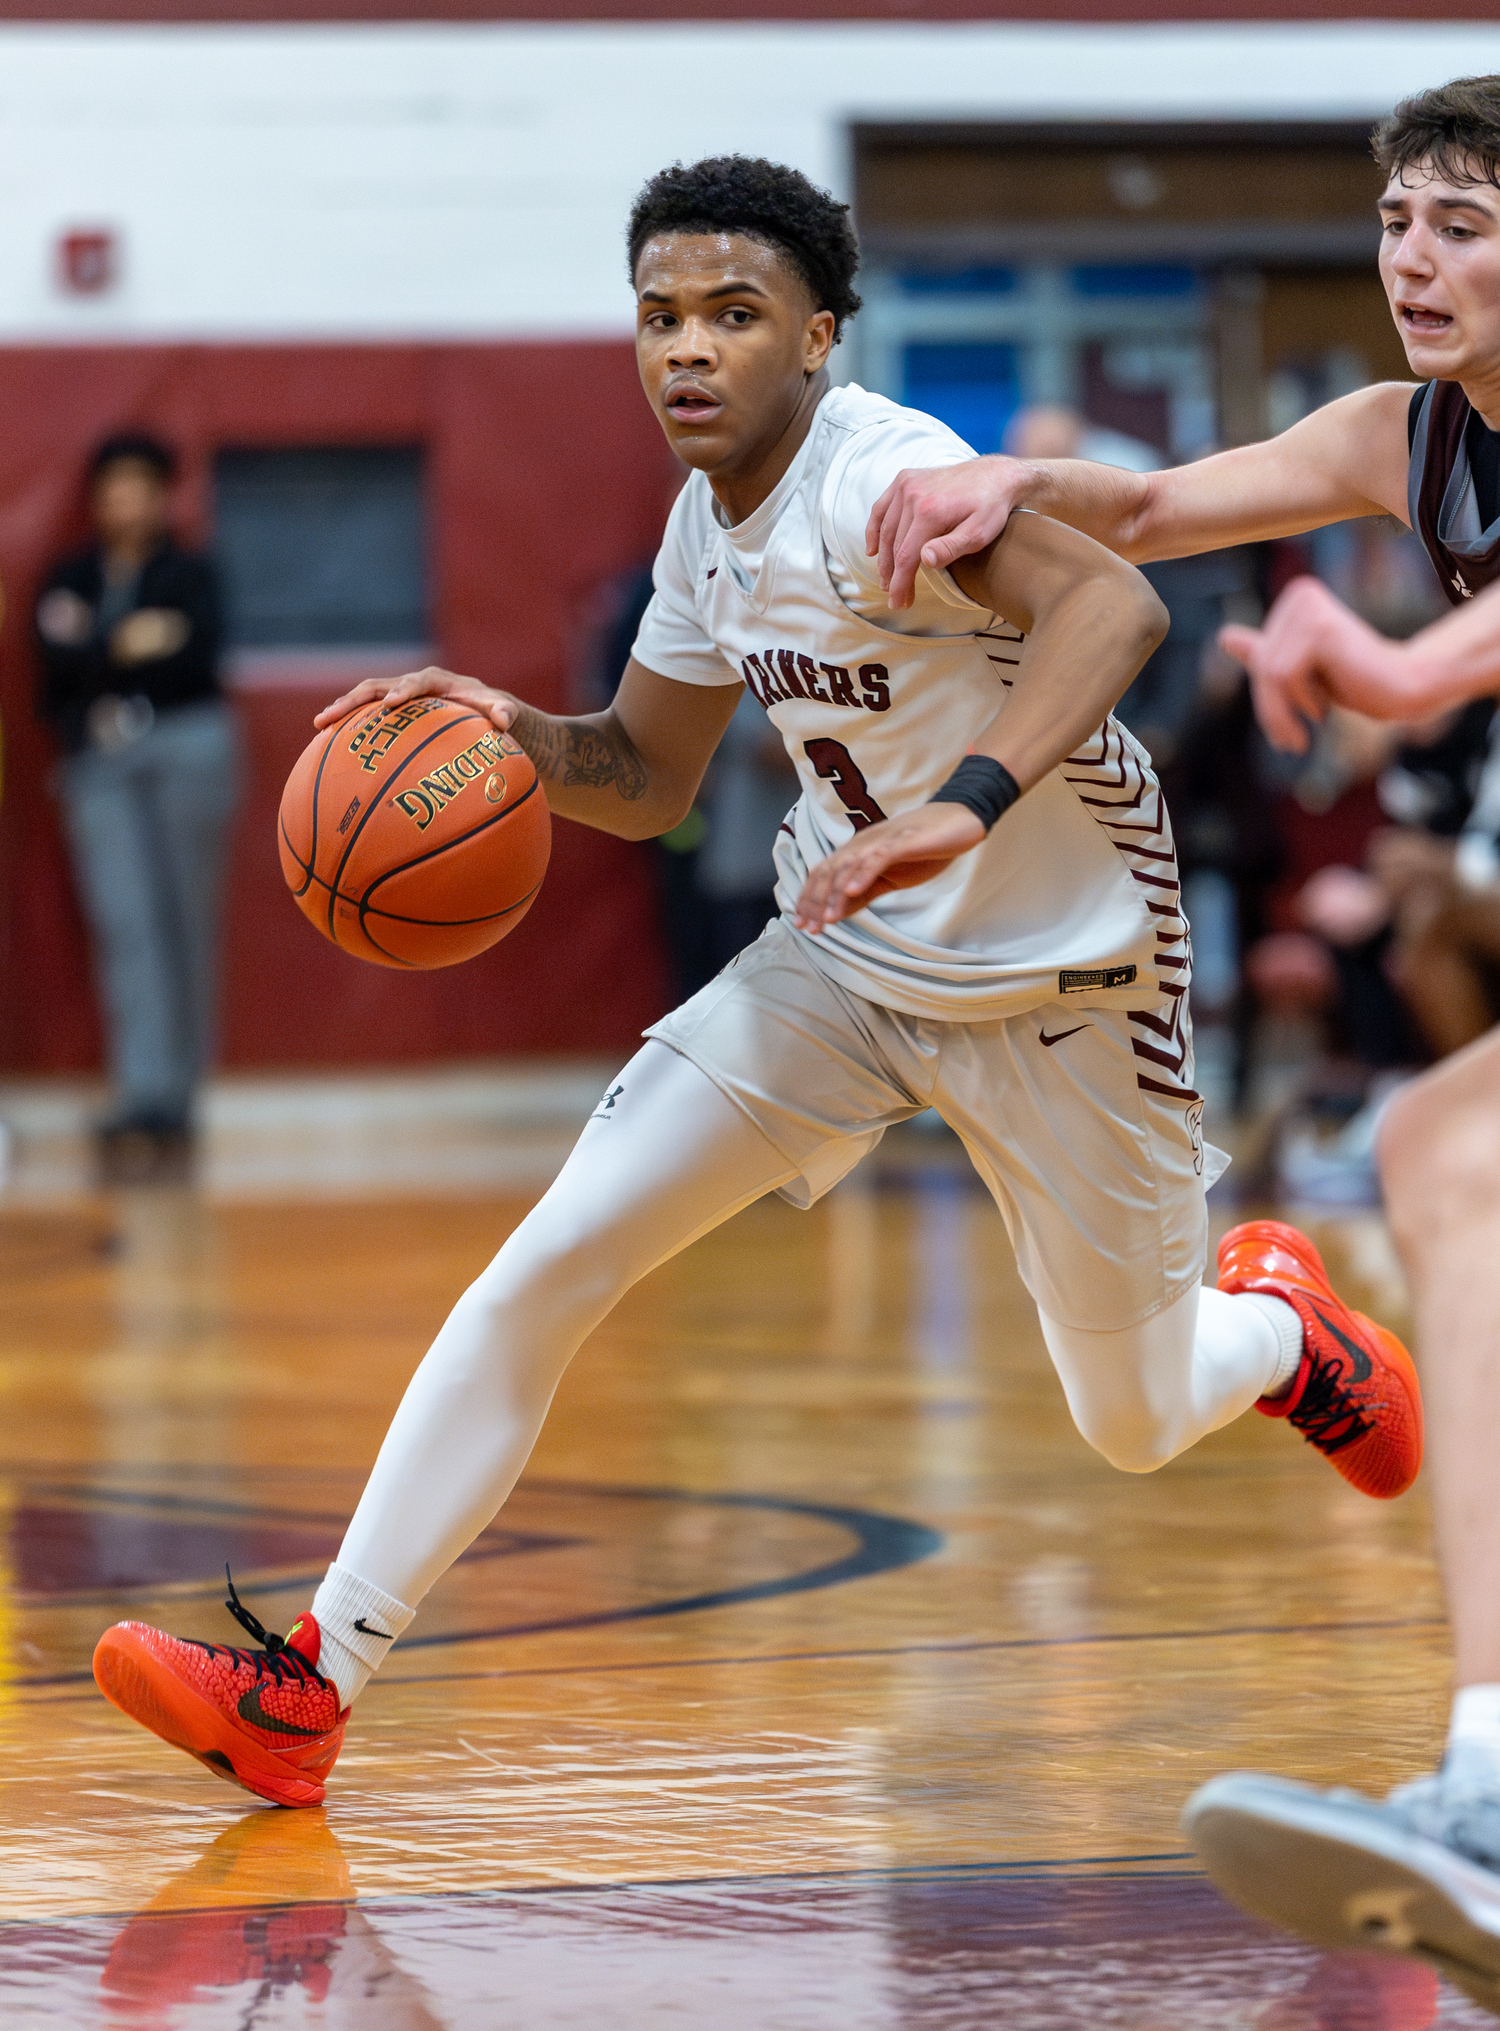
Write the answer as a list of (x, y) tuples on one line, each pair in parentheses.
[(1356, 1396), (266, 1719)]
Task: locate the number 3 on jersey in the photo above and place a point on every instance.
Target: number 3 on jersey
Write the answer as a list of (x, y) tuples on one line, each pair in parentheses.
[(833, 761)]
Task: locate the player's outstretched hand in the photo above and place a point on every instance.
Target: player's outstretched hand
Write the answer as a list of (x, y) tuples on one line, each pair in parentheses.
[(897, 854), (1312, 652), (933, 516), (433, 683)]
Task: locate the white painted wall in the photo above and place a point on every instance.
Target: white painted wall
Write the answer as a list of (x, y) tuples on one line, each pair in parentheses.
[(457, 181)]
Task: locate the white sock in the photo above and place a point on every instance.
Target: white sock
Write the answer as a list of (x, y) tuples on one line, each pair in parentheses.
[(1288, 1325), (1474, 1730), (357, 1623)]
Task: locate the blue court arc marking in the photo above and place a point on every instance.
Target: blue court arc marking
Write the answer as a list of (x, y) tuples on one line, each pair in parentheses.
[(882, 1543)]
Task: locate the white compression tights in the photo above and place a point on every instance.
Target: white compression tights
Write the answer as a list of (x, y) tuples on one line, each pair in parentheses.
[(673, 1158), (670, 1160), (1145, 1394)]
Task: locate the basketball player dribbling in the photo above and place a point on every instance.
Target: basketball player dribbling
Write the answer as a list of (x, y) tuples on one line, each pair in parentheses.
[(979, 913), (1421, 1872)]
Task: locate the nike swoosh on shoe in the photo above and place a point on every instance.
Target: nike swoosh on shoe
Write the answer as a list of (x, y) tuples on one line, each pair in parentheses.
[(249, 1709), (1364, 1367)]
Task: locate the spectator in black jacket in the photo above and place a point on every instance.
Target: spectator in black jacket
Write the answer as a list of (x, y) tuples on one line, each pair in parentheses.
[(129, 634)]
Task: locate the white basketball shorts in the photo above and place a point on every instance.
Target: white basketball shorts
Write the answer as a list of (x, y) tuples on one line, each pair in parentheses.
[(1081, 1121)]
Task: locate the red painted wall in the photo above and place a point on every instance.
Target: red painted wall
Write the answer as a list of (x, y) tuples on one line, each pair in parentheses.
[(546, 476)]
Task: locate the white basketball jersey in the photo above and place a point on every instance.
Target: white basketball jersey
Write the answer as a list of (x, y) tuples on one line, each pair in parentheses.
[(1074, 892)]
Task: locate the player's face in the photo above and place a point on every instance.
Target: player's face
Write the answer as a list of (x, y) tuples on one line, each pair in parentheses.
[(1440, 263), (726, 339)]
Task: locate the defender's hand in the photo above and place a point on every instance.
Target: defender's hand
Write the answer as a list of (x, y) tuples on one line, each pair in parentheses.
[(499, 706), (1312, 652), (932, 516), (901, 853)]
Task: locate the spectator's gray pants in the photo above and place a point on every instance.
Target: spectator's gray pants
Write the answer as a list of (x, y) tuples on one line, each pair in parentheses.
[(148, 826)]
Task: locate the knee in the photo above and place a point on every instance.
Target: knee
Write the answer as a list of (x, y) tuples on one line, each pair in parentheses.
[(546, 1276), (1439, 1161), (1128, 1433)]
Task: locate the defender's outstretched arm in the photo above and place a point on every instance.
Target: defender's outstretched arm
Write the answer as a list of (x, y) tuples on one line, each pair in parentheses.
[(632, 769), (1091, 621), (1349, 458), (1312, 652)]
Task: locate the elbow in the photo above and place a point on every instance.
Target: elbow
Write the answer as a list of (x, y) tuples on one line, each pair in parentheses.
[(645, 825), (1152, 619), (1125, 612), (654, 817)]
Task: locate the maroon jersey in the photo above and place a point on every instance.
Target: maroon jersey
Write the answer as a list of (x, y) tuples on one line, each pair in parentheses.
[(1440, 491)]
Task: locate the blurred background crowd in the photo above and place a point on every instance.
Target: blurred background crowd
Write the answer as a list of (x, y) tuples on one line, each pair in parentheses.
[(399, 425)]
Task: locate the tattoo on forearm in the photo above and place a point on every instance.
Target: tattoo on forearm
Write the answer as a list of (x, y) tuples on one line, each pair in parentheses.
[(580, 756)]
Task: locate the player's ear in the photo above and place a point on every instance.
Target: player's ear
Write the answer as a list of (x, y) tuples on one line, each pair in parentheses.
[(817, 341)]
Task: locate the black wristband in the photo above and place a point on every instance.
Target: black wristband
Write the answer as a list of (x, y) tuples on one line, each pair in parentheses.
[(986, 786)]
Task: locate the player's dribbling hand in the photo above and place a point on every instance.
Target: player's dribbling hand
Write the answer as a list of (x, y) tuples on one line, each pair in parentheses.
[(901, 853), (1309, 653), (431, 683), (935, 515)]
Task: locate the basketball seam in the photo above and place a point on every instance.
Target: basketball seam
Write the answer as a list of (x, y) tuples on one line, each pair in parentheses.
[(438, 733), (305, 865), (448, 844), (436, 923), (312, 848), (364, 904), (389, 917)]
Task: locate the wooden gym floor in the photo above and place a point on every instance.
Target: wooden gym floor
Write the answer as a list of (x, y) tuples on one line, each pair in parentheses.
[(817, 1675)]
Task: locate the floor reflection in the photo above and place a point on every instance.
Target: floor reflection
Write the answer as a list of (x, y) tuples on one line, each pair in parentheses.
[(264, 1929), (262, 1963)]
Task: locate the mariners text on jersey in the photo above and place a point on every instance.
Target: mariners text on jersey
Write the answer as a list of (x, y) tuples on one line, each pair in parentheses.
[(780, 674)]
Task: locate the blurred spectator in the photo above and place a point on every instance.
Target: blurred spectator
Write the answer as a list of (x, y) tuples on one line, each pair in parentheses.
[(1325, 949), (1195, 590), (1406, 929), (1400, 945), (1380, 569), (1441, 887), (1221, 788), (1046, 430), (129, 634)]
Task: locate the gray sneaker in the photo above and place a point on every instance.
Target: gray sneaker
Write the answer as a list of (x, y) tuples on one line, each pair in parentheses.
[(1418, 1875)]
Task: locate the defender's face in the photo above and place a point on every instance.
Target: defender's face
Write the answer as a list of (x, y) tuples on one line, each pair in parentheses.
[(1440, 263), (726, 336)]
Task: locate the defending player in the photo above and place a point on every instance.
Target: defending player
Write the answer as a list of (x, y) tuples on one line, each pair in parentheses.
[(1029, 981), (1338, 1868), (1432, 457)]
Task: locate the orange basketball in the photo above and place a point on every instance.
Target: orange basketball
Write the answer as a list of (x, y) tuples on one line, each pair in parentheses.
[(414, 835)]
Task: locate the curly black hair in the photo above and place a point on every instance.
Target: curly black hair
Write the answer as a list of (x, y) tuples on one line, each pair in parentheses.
[(765, 201)]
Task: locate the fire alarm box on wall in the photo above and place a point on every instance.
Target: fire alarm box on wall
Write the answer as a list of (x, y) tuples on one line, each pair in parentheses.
[(88, 260)]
